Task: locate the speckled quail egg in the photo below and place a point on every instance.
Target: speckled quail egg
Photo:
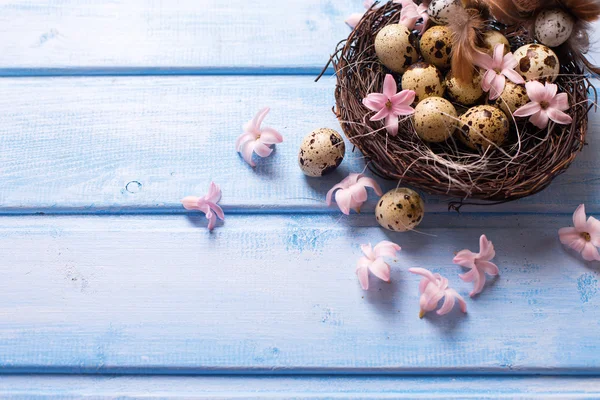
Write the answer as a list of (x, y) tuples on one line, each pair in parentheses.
[(537, 62), (436, 46), (441, 11), (482, 127), (395, 46), (435, 119), (466, 93), (425, 79), (400, 210), (553, 27), (513, 97), (492, 38), (321, 152)]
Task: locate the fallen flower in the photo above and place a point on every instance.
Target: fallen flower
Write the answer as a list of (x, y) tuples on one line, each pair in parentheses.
[(352, 192), (433, 288), (411, 13), (256, 139), (355, 18), (584, 237), (498, 68), (373, 261), (478, 263), (207, 204), (545, 105), (390, 104)]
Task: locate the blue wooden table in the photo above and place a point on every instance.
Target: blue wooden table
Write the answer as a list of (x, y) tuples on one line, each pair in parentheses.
[(113, 110)]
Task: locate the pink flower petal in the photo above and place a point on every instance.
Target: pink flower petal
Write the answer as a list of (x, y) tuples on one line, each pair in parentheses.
[(382, 114), (343, 198), (402, 110), (190, 202), (551, 89), (469, 276), (560, 102), (483, 61), (247, 150), (270, 136), (386, 249), (243, 138), (486, 249), (540, 119), (528, 109), (390, 87), (590, 252), (568, 235), (375, 101), (363, 277), (536, 91), (558, 116), (461, 302), (212, 220), (405, 97), (217, 210), (579, 218), (214, 193), (498, 85), (331, 191), (259, 118), (422, 272), (447, 306), (488, 267), (488, 79), (353, 20), (380, 269), (513, 76), (479, 283), (391, 124), (593, 228), (510, 62), (262, 150), (498, 55), (431, 300)]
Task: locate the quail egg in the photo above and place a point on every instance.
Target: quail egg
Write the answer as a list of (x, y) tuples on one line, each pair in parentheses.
[(553, 27), (435, 119), (395, 46), (513, 97), (492, 38), (321, 152), (441, 11), (436, 46), (466, 93), (400, 210), (482, 127), (425, 79), (537, 62)]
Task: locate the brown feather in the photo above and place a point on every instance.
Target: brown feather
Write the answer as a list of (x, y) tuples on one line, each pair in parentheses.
[(466, 29), (586, 10), (505, 11)]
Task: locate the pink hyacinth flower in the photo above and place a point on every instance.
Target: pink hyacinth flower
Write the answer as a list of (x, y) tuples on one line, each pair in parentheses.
[(478, 263), (433, 288), (497, 69), (373, 261), (584, 237), (352, 192), (545, 105), (355, 18), (207, 204), (411, 13), (390, 104), (256, 139)]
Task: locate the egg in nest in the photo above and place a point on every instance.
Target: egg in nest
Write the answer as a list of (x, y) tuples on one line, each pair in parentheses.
[(436, 46), (400, 210), (441, 11), (396, 47), (553, 27), (537, 62), (482, 127), (425, 79), (321, 152), (435, 119), (492, 38), (465, 93), (513, 97)]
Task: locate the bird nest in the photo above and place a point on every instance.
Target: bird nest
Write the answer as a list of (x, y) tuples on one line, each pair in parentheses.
[(524, 165)]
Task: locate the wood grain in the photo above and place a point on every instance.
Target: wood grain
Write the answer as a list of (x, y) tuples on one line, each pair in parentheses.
[(278, 294), (295, 387), (139, 144)]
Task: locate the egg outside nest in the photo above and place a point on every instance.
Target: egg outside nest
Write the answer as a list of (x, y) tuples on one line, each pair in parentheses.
[(321, 152)]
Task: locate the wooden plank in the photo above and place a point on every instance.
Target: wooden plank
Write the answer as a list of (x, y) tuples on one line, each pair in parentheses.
[(277, 294), (297, 387), (147, 36), (139, 144)]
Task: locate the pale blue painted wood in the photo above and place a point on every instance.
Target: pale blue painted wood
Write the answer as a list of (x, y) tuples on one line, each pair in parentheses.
[(126, 36), (298, 387), (139, 144), (278, 294)]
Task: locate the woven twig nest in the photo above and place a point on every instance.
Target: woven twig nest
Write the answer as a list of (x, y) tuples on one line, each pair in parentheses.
[(524, 165)]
